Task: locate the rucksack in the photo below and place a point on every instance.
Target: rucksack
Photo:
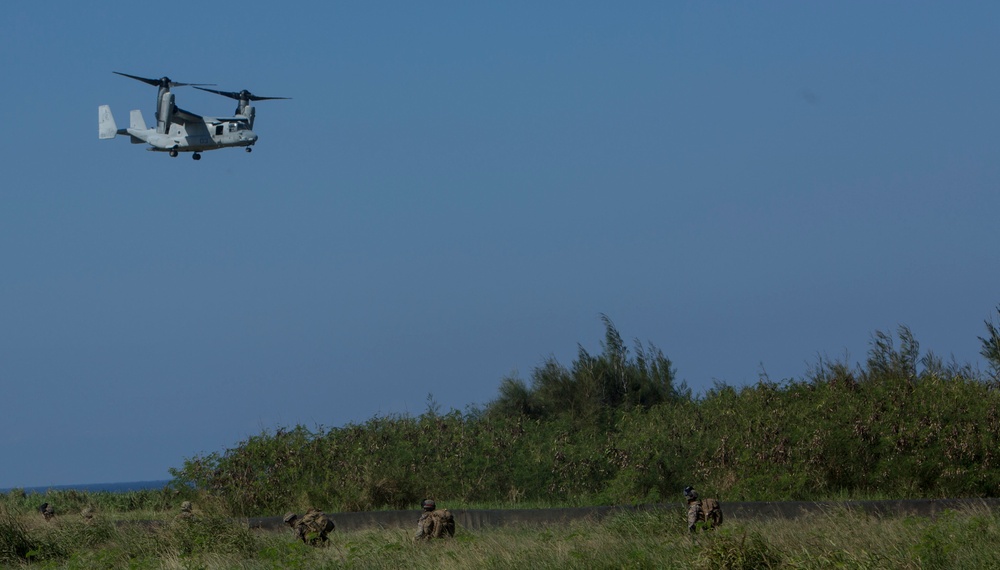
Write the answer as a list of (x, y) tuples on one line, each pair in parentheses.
[(317, 521), (711, 512), (442, 522)]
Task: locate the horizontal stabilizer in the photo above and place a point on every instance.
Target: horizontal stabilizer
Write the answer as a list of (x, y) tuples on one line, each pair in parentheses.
[(106, 127)]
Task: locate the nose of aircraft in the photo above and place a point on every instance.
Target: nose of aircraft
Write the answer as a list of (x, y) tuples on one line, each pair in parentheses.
[(249, 136)]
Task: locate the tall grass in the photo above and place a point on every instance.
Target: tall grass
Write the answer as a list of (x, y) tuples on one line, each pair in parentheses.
[(649, 539), (137, 504)]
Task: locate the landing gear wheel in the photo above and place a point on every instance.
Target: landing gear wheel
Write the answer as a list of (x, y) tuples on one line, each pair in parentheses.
[(249, 149), (196, 156), (173, 154)]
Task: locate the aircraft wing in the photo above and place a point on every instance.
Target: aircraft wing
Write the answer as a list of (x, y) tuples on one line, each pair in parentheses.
[(233, 119), (181, 116)]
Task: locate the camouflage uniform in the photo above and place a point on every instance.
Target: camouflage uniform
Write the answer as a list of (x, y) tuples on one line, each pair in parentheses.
[(708, 510), (47, 511), (186, 514), (434, 522), (88, 515), (312, 527)]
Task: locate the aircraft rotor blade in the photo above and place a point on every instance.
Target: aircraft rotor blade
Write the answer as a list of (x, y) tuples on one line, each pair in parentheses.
[(240, 95), (153, 82), (161, 82), (259, 98), (175, 84)]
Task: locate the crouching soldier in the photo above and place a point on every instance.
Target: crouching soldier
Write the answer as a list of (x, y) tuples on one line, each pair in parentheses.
[(312, 527), (434, 522), (708, 511), (187, 512), (48, 513)]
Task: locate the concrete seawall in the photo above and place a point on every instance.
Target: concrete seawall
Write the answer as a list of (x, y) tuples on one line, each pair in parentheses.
[(477, 519)]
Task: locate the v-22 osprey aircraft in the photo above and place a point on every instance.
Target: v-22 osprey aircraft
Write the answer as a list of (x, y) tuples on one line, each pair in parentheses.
[(178, 130)]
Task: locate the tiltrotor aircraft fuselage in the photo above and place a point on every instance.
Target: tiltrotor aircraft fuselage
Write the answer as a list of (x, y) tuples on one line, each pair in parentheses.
[(178, 130)]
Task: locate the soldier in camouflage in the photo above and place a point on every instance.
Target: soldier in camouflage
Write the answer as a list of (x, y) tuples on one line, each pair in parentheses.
[(312, 527), (434, 522), (708, 511), (186, 513), (48, 513)]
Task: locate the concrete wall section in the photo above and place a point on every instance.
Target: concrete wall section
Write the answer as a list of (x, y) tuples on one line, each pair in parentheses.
[(477, 519)]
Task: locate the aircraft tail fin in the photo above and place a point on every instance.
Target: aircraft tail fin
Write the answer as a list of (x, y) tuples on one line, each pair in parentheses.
[(106, 127), (136, 121)]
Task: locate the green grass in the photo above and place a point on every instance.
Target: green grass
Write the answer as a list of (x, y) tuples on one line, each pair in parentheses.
[(651, 539)]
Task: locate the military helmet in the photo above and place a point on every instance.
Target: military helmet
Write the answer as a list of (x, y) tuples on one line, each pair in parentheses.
[(289, 517), (428, 505), (186, 506), (690, 493)]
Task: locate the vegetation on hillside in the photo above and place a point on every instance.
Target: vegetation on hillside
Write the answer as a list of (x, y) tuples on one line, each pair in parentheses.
[(614, 428), (611, 428)]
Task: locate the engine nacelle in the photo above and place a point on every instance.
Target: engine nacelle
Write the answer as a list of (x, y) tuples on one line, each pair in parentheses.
[(164, 113), (249, 113)]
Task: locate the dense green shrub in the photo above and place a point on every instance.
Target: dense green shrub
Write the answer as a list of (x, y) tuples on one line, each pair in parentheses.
[(991, 347), (613, 428), (594, 385)]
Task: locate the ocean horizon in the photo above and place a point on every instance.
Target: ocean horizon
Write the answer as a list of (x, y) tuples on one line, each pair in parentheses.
[(123, 487)]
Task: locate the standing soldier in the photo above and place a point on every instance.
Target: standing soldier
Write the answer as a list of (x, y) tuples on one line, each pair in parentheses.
[(312, 527), (434, 522)]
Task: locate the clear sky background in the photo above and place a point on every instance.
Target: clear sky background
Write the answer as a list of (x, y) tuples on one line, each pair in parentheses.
[(457, 191)]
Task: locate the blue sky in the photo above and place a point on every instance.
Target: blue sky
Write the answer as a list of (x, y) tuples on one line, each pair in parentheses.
[(457, 191)]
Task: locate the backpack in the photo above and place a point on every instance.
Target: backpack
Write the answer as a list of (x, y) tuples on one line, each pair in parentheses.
[(442, 522), (317, 521), (711, 512)]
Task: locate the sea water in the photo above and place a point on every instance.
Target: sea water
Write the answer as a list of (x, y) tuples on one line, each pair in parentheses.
[(99, 487)]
